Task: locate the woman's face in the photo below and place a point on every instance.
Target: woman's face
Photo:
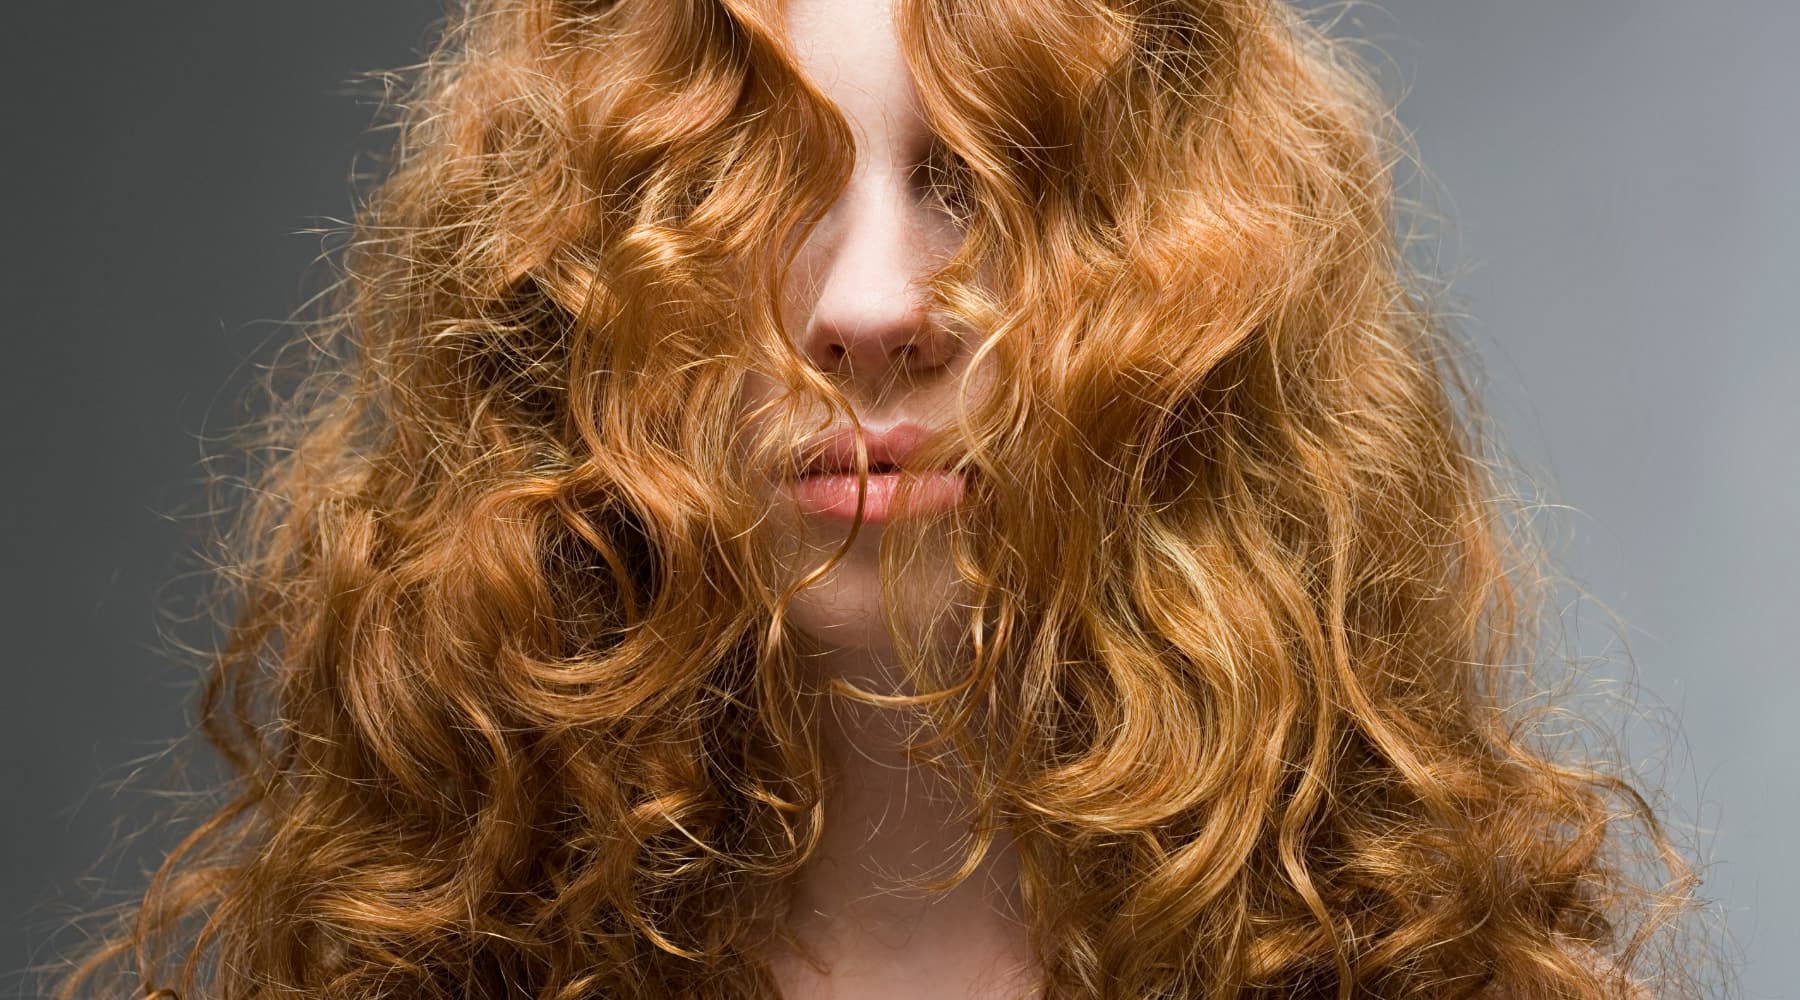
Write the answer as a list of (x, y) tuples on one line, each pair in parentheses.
[(857, 311)]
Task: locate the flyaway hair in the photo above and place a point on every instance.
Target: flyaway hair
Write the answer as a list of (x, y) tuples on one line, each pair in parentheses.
[(506, 688)]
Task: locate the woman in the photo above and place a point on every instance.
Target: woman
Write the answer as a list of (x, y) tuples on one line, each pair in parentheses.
[(962, 498)]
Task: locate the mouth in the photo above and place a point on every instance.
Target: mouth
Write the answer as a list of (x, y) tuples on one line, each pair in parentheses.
[(889, 449), (828, 484), (834, 495)]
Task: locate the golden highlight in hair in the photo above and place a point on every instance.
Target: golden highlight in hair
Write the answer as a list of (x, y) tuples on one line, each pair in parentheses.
[(508, 692)]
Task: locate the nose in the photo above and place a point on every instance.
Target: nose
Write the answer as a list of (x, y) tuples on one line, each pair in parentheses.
[(871, 321)]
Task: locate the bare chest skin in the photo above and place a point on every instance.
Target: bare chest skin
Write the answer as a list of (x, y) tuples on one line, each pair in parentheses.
[(951, 951), (888, 820), (957, 971)]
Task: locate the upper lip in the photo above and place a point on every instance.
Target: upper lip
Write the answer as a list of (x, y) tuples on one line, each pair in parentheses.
[(836, 452)]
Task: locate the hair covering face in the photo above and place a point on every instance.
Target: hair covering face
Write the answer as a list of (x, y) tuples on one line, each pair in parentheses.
[(1239, 615)]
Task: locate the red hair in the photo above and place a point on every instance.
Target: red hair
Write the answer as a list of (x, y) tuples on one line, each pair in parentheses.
[(507, 690)]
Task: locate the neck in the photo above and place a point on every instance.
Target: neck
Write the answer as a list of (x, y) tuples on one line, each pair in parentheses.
[(890, 825)]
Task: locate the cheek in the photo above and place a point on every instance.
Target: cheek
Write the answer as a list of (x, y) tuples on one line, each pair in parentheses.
[(754, 392)]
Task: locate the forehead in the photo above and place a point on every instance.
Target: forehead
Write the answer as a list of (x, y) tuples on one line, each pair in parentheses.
[(849, 49)]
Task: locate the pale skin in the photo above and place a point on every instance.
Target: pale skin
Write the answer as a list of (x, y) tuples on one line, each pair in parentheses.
[(857, 312)]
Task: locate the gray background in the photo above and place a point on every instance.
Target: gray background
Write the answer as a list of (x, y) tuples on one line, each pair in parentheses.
[(1620, 178)]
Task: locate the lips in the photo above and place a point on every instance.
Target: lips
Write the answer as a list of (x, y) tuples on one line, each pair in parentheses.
[(888, 449), (828, 484)]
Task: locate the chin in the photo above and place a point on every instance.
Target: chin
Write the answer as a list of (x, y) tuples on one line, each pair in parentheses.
[(841, 611)]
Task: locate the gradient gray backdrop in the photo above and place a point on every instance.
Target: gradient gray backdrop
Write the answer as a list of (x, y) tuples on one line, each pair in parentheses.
[(1621, 182)]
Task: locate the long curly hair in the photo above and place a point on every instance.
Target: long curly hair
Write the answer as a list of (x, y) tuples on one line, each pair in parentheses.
[(506, 687)]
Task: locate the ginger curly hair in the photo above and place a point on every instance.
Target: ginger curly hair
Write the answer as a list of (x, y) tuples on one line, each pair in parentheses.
[(506, 690)]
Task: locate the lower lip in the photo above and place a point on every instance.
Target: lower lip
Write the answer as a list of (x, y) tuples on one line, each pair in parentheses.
[(833, 495)]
